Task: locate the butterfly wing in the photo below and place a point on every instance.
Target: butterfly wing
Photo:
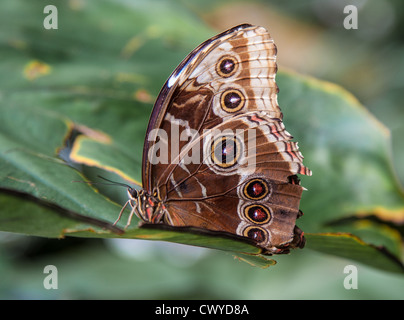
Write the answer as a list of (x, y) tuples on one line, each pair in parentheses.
[(242, 58), (217, 150)]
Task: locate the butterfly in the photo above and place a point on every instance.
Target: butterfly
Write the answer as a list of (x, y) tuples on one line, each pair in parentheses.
[(217, 156)]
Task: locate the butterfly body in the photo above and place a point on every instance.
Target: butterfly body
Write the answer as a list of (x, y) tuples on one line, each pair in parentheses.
[(217, 156)]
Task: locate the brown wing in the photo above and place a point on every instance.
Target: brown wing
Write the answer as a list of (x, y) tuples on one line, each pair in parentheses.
[(229, 74), (252, 192), (231, 165)]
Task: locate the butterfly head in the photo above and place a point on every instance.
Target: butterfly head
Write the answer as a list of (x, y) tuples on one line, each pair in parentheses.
[(148, 208), (133, 194)]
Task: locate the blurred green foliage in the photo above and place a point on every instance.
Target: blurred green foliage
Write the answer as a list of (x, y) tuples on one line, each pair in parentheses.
[(116, 55)]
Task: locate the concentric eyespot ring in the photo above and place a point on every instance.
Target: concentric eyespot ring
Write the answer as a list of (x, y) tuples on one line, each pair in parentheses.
[(256, 189), (258, 234), (257, 213), (226, 151), (232, 100), (226, 66)]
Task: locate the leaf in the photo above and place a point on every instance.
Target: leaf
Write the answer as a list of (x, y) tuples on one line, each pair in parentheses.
[(24, 213), (347, 147), (90, 152), (30, 168), (351, 247)]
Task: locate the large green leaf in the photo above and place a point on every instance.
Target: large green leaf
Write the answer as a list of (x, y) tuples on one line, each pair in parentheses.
[(86, 99), (349, 246)]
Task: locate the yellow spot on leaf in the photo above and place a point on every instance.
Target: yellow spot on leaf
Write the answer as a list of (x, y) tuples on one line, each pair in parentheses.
[(93, 134), (143, 95), (153, 31), (76, 5), (17, 44), (132, 46), (136, 42), (131, 78), (36, 69)]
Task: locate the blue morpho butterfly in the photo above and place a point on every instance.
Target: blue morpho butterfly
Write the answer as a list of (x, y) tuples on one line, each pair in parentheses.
[(217, 156)]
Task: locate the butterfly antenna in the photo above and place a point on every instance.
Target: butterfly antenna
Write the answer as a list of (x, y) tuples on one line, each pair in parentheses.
[(111, 182), (114, 182)]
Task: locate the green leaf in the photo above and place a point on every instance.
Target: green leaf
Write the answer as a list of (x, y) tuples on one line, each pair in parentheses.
[(351, 247), (108, 157), (31, 169), (346, 147)]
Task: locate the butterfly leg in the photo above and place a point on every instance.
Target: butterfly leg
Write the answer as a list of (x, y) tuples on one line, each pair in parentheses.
[(161, 215), (158, 218), (132, 212), (121, 212)]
